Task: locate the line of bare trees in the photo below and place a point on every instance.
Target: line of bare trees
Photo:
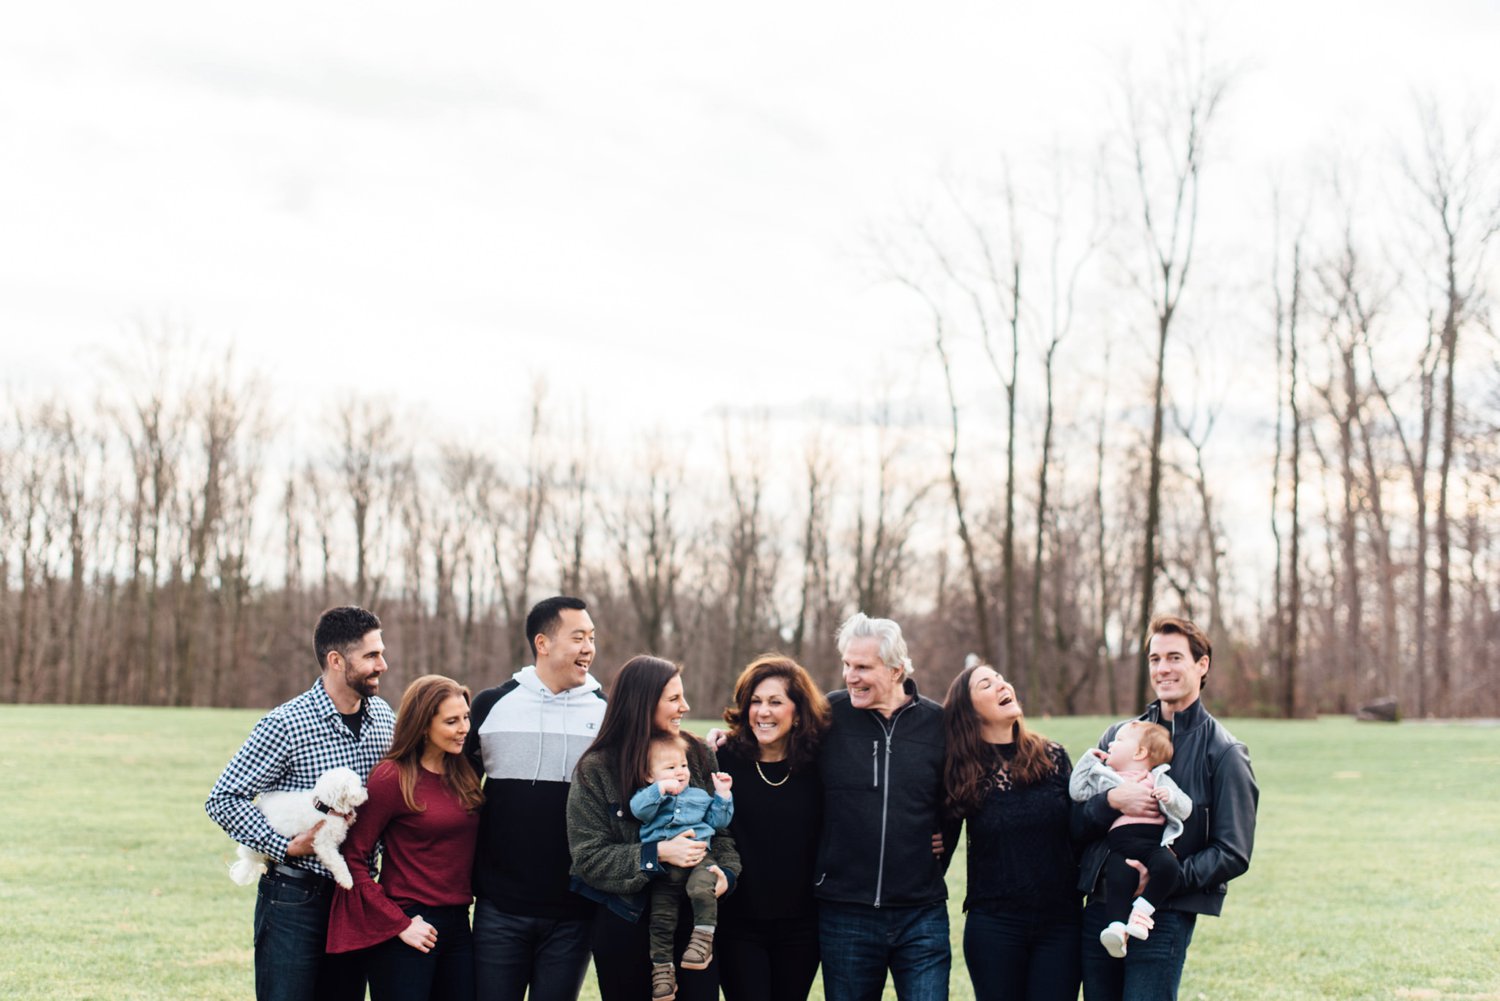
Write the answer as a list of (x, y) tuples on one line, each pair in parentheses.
[(1089, 339)]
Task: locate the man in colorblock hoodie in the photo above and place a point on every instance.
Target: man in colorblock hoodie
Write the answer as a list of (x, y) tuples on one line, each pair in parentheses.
[(526, 736)]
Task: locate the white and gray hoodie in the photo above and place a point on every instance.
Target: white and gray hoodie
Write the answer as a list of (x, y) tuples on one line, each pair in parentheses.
[(527, 740)]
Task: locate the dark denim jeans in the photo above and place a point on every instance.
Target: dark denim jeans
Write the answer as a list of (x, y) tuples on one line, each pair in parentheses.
[(291, 930), (1150, 971), (400, 973), (1023, 956), (512, 952), (859, 943)]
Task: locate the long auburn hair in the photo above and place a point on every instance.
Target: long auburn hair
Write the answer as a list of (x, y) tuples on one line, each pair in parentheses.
[(966, 775), (628, 725), (419, 707), (811, 717)]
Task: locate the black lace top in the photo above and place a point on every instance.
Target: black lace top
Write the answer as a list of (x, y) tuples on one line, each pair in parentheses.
[(1020, 851)]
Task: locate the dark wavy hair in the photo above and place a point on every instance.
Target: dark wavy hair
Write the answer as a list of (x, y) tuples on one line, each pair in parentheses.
[(419, 707), (1198, 644), (626, 731), (810, 720), (966, 777)]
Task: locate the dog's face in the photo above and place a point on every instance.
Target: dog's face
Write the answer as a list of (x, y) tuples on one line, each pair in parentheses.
[(340, 790)]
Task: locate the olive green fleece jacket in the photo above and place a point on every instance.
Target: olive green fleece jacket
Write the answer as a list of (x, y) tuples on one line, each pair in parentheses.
[(610, 864)]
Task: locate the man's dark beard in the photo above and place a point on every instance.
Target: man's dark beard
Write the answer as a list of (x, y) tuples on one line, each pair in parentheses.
[(360, 685)]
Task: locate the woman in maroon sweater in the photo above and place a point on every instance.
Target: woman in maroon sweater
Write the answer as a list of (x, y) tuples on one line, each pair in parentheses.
[(424, 801)]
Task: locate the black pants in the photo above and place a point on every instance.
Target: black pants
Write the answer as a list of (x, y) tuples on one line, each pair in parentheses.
[(1141, 842), (768, 960), (622, 960), (400, 973), (667, 891)]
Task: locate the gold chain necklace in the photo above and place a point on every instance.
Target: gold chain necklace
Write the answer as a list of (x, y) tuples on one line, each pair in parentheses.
[(768, 781)]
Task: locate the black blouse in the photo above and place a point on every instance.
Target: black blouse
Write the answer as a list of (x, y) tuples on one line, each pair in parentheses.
[(776, 828), (1020, 850)]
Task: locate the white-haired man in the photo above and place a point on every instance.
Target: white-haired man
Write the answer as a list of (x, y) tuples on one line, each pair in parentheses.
[(881, 896)]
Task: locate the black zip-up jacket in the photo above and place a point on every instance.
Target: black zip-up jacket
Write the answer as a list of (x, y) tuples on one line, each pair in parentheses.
[(1214, 770), (882, 803)]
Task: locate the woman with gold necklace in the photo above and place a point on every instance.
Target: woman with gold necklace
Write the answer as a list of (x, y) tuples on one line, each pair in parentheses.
[(768, 928)]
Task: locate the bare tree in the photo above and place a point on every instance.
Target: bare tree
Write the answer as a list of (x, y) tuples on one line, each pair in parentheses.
[(1459, 181), (1063, 291), (1288, 598), (649, 545), (1166, 134), (815, 607), (368, 461)]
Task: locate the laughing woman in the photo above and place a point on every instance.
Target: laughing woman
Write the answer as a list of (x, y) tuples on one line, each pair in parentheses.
[(768, 930), (1022, 937), (423, 805)]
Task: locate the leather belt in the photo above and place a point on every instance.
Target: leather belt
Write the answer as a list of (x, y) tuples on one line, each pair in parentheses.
[(292, 872)]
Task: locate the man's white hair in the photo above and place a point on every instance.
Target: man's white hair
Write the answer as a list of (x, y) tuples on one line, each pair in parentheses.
[(892, 645)]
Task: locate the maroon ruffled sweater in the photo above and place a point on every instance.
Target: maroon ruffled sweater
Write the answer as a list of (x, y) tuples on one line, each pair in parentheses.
[(428, 856)]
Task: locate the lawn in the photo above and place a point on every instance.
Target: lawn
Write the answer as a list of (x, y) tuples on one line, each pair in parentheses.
[(1376, 873)]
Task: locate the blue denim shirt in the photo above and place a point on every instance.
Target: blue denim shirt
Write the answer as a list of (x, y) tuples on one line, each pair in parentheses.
[(693, 809)]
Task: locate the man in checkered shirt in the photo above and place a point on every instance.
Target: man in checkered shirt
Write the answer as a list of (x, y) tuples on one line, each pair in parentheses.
[(339, 721)]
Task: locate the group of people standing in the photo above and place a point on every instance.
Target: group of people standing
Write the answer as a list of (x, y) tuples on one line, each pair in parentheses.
[(811, 831)]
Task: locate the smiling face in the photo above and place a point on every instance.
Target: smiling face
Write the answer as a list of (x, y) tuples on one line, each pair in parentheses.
[(669, 763), (563, 657), (449, 726), (359, 667), (771, 716), (1175, 676), (994, 699), (871, 684), (670, 708)]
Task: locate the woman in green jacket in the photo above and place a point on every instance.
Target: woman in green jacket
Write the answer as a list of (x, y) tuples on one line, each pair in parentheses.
[(610, 864)]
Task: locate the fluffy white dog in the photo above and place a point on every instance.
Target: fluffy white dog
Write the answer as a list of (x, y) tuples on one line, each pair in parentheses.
[(338, 791)]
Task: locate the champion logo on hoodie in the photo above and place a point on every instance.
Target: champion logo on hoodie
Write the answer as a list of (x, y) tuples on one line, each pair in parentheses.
[(537, 735)]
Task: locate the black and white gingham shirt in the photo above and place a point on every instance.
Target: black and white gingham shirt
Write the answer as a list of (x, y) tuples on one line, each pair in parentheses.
[(288, 749)]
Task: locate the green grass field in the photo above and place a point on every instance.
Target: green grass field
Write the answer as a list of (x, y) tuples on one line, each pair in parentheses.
[(1376, 872)]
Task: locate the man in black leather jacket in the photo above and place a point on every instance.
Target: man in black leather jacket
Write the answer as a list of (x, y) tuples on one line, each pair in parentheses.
[(1214, 770)]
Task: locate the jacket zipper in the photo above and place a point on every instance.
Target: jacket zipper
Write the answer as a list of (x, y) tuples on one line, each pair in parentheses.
[(885, 798)]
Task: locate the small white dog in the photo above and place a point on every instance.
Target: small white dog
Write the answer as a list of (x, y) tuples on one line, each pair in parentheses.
[(338, 791)]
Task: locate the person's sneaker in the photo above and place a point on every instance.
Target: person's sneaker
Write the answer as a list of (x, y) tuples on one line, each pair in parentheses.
[(1113, 939), (1136, 929), (700, 950), (663, 982)]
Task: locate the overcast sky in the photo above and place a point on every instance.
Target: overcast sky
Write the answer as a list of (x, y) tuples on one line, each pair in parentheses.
[(661, 207)]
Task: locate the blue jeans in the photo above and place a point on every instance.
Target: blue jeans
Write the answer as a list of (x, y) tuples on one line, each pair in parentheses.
[(859, 943), (291, 930), (1150, 971), (400, 973), (512, 952), (1023, 956)]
